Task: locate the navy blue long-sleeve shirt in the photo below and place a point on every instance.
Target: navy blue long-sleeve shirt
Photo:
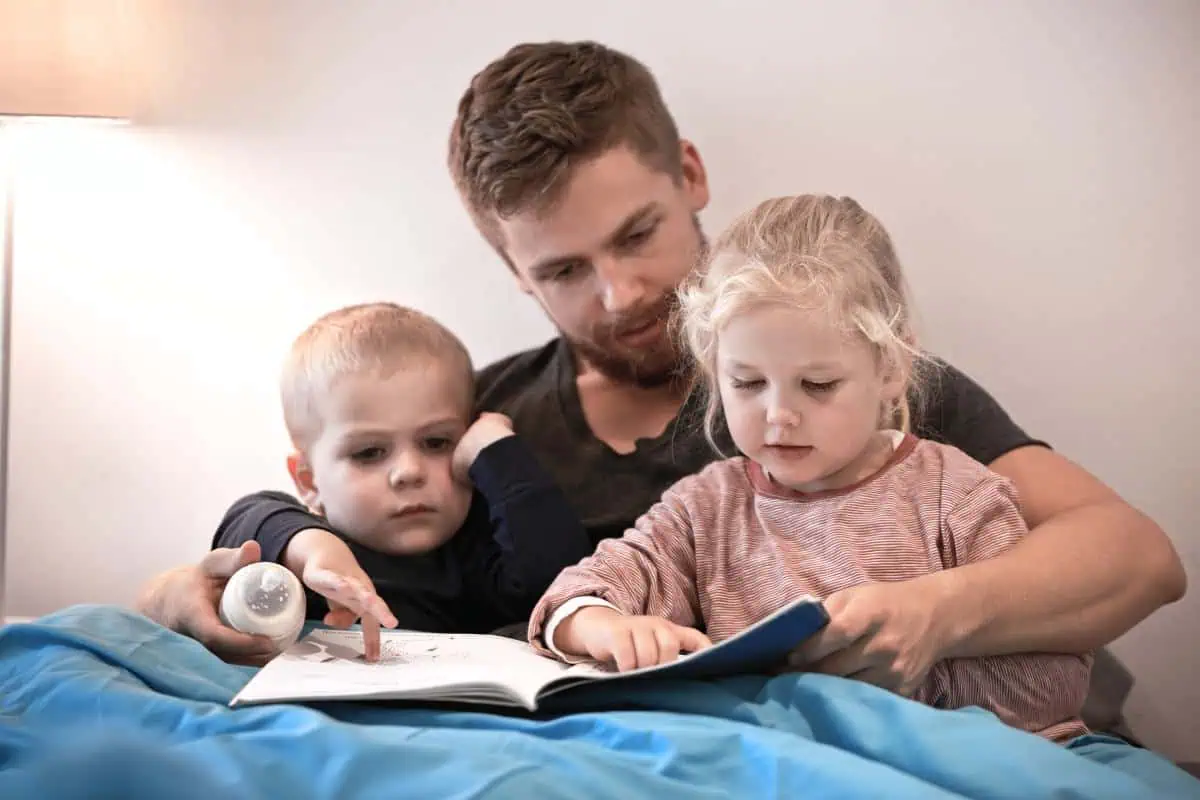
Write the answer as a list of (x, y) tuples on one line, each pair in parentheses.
[(519, 533)]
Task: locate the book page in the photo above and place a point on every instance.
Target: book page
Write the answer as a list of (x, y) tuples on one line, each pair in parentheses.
[(329, 664)]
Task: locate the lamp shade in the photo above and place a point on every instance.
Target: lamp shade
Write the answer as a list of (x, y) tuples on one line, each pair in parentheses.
[(69, 58)]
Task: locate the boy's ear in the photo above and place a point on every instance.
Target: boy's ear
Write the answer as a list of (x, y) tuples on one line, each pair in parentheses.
[(302, 476)]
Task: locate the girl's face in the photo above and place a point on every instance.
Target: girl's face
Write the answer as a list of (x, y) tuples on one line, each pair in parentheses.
[(803, 398)]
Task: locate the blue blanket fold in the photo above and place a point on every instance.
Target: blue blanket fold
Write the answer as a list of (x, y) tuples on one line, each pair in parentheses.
[(96, 701)]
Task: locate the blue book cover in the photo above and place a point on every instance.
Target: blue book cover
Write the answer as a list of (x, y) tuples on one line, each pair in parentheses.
[(762, 647)]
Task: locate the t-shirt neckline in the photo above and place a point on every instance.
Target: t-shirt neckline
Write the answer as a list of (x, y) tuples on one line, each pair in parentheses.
[(571, 406), (766, 485)]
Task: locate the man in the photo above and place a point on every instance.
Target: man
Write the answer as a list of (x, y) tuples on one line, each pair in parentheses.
[(571, 166)]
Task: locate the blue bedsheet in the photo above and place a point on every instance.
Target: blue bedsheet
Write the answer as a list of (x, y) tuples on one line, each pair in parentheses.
[(98, 702)]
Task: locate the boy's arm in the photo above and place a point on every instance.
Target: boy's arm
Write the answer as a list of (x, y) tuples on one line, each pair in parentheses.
[(291, 535), (269, 518), (532, 532)]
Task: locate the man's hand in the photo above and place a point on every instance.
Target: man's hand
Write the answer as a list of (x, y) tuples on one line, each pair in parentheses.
[(186, 600), (484, 431), (629, 642), (326, 565), (888, 634)]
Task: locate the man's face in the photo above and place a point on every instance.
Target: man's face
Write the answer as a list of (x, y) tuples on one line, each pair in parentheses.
[(605, 260)]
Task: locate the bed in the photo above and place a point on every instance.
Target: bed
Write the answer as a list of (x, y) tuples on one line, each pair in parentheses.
[(100, 702)]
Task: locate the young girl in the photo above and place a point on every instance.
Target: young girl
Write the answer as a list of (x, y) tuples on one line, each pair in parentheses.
[(799, 325)]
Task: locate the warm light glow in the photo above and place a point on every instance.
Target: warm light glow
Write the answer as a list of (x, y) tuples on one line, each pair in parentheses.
[(70, 57)]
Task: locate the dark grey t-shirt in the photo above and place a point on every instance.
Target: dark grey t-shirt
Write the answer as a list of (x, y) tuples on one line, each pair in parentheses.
[(609, 491)]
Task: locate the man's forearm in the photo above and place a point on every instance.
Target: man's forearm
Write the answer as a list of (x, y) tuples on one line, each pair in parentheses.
[(1075, 583)]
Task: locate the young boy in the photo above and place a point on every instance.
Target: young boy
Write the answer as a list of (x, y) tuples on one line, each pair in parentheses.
[(377, 402)]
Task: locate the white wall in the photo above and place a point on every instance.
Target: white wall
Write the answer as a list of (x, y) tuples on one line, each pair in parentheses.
[(1035, 161)]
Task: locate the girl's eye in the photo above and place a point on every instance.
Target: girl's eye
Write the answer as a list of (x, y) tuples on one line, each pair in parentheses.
[(756, 383), (821, 387), (368, 455)]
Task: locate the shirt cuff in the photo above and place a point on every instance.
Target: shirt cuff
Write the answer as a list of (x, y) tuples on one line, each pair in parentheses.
[(565, 610)]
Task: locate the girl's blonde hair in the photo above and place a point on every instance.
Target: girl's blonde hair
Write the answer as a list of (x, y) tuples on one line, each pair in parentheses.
[(811, 252)]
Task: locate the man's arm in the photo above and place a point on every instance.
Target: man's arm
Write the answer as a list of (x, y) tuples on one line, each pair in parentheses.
[(185, 599), (1090, 568)]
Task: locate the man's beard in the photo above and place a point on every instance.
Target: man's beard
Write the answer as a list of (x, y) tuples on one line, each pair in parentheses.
[(664, 362), (649, 368)]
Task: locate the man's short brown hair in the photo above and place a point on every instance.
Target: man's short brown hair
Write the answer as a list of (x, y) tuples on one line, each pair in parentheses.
[(531, 116)]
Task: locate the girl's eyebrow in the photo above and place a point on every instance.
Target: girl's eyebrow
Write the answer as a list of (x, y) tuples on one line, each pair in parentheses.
[(813, 365)]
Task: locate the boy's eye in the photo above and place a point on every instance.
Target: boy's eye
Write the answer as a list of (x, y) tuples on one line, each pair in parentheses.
[(438, 444), (821, 387), (368, 455)]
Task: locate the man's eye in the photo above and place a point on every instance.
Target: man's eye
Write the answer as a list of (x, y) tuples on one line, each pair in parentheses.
[(564, 273), (368, 455), (822, 387), (639, 237)]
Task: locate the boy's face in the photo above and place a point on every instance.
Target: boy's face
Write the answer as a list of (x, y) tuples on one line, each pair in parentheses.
[(605, 261), (380, 468)]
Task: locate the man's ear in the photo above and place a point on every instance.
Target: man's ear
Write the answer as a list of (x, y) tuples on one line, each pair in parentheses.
[(695, 176), (522, 283), (302, 476)]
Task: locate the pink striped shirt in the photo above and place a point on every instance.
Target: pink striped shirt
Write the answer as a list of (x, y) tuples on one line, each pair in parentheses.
[(728, 546)]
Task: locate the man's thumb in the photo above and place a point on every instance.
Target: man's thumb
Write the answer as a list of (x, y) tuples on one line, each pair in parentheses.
[(224, 561)]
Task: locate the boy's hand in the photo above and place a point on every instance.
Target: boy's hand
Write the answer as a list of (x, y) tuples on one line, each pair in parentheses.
[(327, 566), (484, 431), (629, 642)]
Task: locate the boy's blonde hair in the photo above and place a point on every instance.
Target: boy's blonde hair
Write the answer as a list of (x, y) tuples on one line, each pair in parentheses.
[(381, 337), (807, 251)]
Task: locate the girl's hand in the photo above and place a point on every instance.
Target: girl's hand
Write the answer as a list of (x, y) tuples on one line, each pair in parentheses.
[(629, 642)]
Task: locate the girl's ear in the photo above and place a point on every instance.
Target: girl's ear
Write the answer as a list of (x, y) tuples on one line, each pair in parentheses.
[(302, 476), (896, 376)]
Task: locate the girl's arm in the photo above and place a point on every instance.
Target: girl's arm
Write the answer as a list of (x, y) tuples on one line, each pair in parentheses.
[(651, 571)]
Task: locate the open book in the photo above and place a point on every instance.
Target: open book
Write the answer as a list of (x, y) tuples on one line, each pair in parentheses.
[(328, 664)]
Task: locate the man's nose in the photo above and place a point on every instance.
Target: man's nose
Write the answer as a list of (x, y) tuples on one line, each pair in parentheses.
[(621, 287)]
